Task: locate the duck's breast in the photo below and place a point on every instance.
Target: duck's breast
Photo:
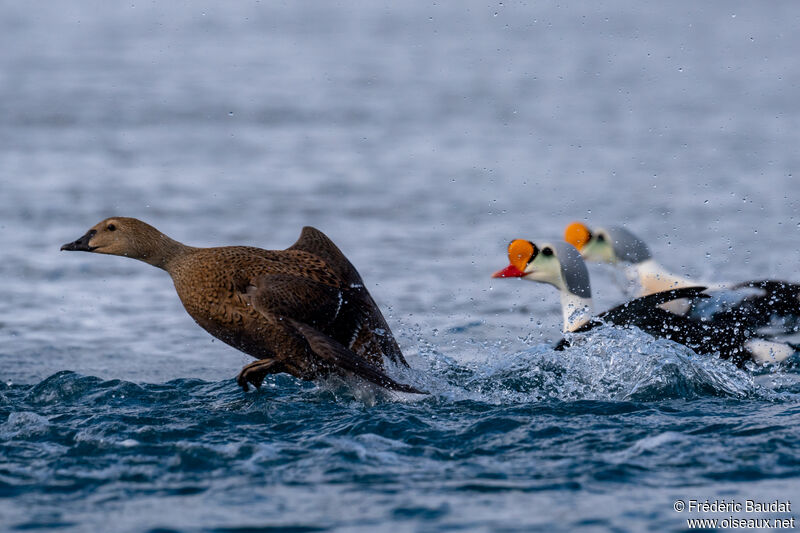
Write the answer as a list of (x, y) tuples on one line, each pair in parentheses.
[(211, 287)]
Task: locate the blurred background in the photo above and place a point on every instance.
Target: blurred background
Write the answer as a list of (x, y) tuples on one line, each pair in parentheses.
[(420, 137)]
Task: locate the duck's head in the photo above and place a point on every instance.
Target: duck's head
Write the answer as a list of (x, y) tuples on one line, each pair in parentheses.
[(128, 237), (614, 244), (558, 264)]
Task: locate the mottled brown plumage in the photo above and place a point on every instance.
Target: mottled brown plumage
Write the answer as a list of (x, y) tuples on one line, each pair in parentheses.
[(303, 310)]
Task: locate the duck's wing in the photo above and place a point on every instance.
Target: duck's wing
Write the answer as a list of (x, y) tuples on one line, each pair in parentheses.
[(777, 298), (294, 296), (645, 313), (771, 286), (359, 314), (284, 299), (728, 340), (337, 355), (645, 308), (368, 333), (315, 242)]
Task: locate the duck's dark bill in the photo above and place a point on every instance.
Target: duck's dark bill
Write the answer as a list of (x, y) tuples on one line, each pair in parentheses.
[(82, 244)]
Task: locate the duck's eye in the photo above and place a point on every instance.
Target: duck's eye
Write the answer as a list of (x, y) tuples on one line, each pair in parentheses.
[(547, 251), (111, 227), (601, 237)]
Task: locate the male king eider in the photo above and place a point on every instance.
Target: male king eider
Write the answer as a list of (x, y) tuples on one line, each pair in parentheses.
[(561, 265), (303, 310), (755, 303)]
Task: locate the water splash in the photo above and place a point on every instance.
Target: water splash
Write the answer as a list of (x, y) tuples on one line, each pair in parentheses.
[(609, 363)]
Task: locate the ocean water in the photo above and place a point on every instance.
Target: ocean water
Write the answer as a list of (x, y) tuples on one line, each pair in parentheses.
[(421, 137)]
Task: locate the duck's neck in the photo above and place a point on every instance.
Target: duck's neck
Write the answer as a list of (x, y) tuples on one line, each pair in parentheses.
[(161, 251), (576, 310), (652, 278)]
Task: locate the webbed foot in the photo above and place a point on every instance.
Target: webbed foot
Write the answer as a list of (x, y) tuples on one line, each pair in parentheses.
[(255, 372)]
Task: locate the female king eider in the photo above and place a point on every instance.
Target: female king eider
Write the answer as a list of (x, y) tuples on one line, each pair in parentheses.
[(561, 265), (755, 303), (303, 310)]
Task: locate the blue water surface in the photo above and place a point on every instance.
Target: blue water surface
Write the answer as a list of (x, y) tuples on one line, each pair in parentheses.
[(421, 137), (541, 440)]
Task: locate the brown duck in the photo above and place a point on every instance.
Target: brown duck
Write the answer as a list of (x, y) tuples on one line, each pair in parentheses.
[(303, 310)]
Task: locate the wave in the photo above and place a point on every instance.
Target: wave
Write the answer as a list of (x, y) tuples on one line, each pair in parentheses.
[(607, 364), (505, 422)]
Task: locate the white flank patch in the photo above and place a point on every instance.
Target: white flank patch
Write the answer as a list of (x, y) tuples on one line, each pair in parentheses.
[(768, 351)]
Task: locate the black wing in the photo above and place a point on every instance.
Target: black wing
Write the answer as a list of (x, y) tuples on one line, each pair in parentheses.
[(778, 299), (645, 309), (643, 313)]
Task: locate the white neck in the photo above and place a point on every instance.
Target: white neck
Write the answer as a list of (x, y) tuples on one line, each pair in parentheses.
[(576, 310), (653, 278)]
